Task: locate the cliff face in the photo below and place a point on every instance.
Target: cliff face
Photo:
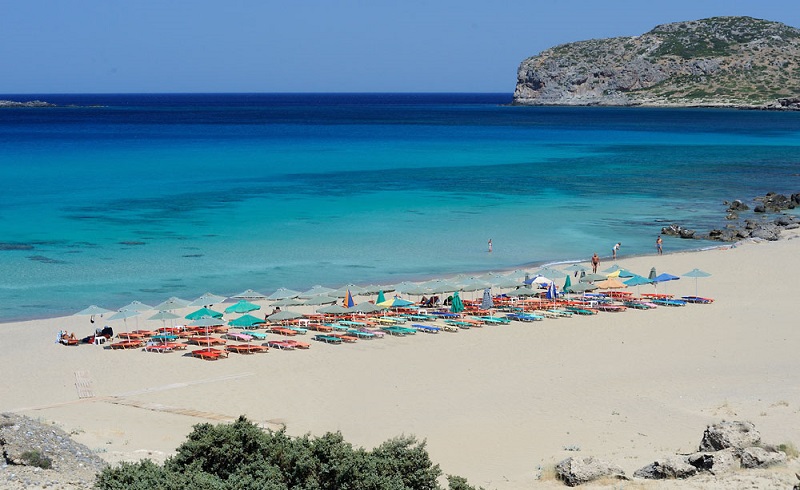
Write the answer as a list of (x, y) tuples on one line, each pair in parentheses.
[(721, 61)]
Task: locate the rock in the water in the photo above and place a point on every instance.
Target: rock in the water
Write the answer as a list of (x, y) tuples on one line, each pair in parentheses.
[(576, 471), (672, 468), (724, 435)]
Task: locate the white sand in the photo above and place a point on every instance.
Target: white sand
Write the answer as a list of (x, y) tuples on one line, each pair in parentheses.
[(494, 404)]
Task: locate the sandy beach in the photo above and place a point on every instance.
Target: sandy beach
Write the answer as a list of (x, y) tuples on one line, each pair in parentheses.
[(496, 405)]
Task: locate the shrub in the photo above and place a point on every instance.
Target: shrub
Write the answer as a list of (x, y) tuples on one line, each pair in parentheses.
[(36, 458)]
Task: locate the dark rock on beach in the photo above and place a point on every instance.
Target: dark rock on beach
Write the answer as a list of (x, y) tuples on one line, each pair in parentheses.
[(725, 435), (667, 468)]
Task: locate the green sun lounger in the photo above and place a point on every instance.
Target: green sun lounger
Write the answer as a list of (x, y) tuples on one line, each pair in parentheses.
[(328, 339)]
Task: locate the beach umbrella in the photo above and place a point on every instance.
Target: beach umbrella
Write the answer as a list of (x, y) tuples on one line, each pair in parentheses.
[(348, 300), (456, 306), (696, 273), (550, 273), (412, 288), (203, 313), (552, 292), (488, 302), (395, 303), (621, 273), (664, 277), (582, 287), (124, 315), (172, 303), (576, 268), (245, 321), (164, 316), (652, 274), (321, 299), (343, 291), (474, 284), (332, 310), (381, 298), (523, 291), (637, 281), (613, 268), (538, 280), (503, 282), (207, 299), (284, 315), (365, 307), (593, 277), (294, 301), (242, 306), (438, 286), (137, 306), (610, 283), (315, 291), (207, 322), (373, 289), (249, 295), (92, 311), (567, 283), (283, 293)]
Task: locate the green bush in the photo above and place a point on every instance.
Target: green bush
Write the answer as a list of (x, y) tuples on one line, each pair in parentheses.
[(241, 456), (36, 458)]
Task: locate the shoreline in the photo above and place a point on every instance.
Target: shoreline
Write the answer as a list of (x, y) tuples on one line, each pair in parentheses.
[(494, 404)]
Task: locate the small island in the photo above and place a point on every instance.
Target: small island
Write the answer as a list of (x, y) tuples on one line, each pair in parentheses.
[(737, 62), (30, 103)]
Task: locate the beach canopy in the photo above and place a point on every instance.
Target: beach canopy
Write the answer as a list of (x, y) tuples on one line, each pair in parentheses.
[(207, 299), (412, 288), (395, 303), (293, 301), (203, 313), (582, 287), (137, 305), (332, 310), (456, 306), (665, 277), (93, 310), (550, 273), (172, 303), (567, 283), (315, 291), (284, 315), (321, 299), (638, 280), (576, 268), (124, 314), (249, 294), (207, 322), (164, 315), (345, 290), (381, 298), (242, 306), (524, 291), (593, 277), (611, 283), (696, 273), (365, 307), (283, 293), (245, 321), (374, 288)]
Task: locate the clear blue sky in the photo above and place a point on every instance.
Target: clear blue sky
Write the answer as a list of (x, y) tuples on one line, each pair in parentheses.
[(110, 46)]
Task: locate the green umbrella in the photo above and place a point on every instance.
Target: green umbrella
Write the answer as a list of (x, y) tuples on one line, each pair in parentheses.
[(696, 273), (567, 284), (245, 321), (242, 307), (203, 313), (456, 306), (381, 297)]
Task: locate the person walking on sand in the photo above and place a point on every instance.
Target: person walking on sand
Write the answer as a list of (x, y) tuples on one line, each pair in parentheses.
[(490, 245), (595, 262), (614, 250), (658, 245)]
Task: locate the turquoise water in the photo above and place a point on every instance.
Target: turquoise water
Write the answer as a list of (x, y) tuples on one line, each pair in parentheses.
[(142, 197)]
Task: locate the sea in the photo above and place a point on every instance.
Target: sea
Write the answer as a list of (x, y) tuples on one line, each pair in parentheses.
[(107, 199)]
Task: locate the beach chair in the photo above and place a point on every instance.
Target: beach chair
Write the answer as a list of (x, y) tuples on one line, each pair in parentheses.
[(283, 331), (127, 344), (360, 334), (394, 331), (328, 339), (297, 344), (426, 328), (209, 354), (668, 302), (697, 300), (254, 334)]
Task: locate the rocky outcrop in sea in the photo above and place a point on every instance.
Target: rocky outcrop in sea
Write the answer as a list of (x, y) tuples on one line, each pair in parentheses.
[(717, 62), (30, 103)]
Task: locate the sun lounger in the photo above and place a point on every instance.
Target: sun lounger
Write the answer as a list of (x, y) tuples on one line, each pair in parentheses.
[(254, 334), (494, 320), (458, 323), (246, 348), (127, 344), (395, 331), (161, 348), (299, 330), (546, 313), (69, 341), (669, 302), (206, 340), (209, 354), (280, 344), (130, 336), (360, 334), (241, 337), (697, 300), (297, 344), (580, 310), (610, 308), (328, 339), (283, 331), (426, 328), (637, 305), (344, 336), (524, 317), (144, 333), (561, 313), (320, 327)]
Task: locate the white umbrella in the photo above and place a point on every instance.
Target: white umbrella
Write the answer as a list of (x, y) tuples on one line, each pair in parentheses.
[(172, 303), (249, 294), (207, 299)]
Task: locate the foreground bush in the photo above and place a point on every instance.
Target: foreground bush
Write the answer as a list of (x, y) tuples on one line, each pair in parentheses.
[(241, 456)]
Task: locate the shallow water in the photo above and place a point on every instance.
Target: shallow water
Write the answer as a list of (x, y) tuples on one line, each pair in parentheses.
[(142, 197)]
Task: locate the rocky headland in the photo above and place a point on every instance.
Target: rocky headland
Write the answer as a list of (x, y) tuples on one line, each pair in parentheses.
[(30, 103), (738, 62)]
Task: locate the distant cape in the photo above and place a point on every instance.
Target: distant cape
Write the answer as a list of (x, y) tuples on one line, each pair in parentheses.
[(716, 62), (31, 103)]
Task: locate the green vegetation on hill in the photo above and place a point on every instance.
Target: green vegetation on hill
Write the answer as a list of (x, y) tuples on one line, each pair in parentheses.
[(242, 456)]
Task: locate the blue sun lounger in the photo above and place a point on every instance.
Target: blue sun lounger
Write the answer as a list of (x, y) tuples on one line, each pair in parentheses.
[(425, 328), (669, 302), (524, 317)]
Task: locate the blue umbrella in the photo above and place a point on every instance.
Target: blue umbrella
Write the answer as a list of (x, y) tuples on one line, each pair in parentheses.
[(552, 293), (664, 277)]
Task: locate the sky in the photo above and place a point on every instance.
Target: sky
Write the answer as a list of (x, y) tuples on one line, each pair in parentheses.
[(191, 46)]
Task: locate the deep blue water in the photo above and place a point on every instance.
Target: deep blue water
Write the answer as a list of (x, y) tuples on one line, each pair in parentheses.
[(114, 198)]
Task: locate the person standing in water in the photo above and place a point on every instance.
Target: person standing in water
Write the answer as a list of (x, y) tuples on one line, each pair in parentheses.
[(614, 250), (490, 245)]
